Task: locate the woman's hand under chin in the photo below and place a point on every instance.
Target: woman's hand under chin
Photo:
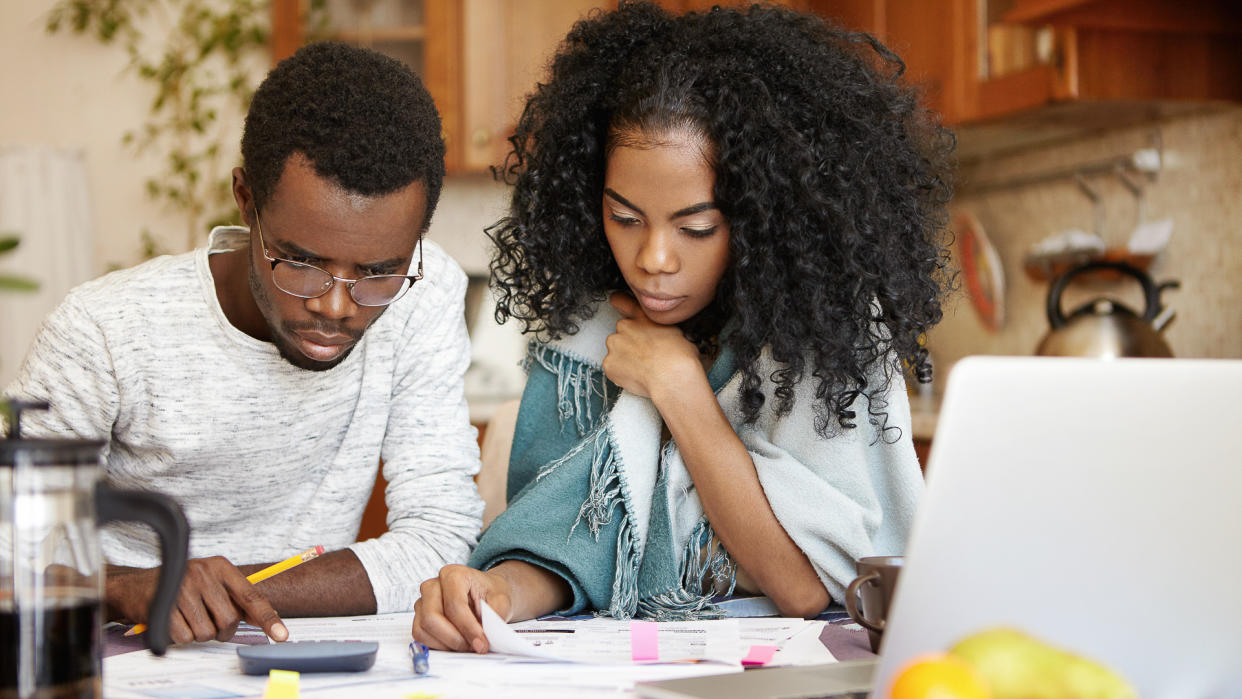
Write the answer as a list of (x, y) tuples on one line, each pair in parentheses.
[(645, 357)]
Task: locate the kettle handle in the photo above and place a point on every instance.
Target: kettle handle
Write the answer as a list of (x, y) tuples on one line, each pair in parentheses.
[(1151, 292), (163, 515)]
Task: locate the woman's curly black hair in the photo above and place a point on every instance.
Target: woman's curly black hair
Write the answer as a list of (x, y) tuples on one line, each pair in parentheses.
[(833, 177)]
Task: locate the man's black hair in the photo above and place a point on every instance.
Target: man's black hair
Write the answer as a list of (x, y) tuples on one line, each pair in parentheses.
[(362, 119)]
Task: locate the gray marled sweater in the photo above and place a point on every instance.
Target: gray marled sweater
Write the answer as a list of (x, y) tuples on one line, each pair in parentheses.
[(268, 459)]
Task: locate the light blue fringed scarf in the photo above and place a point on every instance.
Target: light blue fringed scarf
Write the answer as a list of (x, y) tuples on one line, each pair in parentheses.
[(596, 497), (587, 461)]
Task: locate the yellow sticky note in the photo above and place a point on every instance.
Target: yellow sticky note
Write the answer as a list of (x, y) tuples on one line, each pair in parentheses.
[(281, 684)]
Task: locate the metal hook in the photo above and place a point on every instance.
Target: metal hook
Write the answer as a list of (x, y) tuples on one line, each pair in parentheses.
[(1097, 204), (1136, 188)]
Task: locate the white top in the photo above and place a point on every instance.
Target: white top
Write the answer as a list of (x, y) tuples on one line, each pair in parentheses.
[(268, 459)]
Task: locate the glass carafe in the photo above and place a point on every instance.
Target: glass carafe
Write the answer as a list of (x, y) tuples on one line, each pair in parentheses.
[(51, 568)]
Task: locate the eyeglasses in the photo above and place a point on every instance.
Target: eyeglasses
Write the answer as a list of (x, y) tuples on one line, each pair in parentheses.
[(308, 281)]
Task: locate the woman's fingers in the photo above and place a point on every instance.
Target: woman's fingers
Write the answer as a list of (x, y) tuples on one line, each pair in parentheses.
[(431, 627), (461, 586)]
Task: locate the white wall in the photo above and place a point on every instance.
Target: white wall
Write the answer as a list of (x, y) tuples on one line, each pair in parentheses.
[(72, 92)]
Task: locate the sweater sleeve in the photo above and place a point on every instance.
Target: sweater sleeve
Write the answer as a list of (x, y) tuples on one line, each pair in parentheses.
[(430, 454), (69, 365)]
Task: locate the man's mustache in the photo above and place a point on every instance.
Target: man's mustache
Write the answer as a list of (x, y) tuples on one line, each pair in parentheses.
[(324, 329)]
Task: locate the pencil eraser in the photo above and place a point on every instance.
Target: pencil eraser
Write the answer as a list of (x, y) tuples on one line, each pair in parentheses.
[(319, 550)]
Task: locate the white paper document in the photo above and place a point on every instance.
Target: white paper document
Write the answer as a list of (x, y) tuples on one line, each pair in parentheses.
[(609, 641), (572, 658)]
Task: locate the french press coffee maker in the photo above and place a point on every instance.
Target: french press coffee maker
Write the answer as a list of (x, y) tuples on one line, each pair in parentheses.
[(51, 568)]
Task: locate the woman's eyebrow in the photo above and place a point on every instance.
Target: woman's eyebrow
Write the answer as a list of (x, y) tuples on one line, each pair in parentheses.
[(623, 201), (688, 211), (696, 209)]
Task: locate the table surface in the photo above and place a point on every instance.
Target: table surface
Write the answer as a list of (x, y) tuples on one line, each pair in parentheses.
[(841, 636)]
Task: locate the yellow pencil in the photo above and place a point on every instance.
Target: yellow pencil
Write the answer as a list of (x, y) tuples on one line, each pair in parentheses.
[(275, 568)]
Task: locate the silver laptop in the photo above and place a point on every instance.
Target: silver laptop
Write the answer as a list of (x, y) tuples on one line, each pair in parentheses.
[(1096, 505)]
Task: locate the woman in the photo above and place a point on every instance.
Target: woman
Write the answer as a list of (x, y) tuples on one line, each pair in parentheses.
[(726, 233)]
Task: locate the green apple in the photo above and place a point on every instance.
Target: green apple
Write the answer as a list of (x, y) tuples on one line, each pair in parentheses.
[(1019, 666)]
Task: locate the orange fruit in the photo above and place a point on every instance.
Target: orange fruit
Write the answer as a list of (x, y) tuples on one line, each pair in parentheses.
[(939, 676)]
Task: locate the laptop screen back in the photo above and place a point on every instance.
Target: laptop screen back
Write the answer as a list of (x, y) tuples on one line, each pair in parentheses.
[(1096, 505)]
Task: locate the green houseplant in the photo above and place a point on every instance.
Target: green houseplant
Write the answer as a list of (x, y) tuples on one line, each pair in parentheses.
[(10, 282), (199, 57)]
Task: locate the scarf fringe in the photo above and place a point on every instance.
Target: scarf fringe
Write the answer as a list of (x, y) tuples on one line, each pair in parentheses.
[(625, 602), (576, 382), (701, 558), (679, 605), (604, 490)]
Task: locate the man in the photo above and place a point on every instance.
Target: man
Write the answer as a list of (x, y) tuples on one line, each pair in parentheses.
[(261, 380)]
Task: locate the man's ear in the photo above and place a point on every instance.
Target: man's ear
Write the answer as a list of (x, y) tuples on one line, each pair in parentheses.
[(243, 196)]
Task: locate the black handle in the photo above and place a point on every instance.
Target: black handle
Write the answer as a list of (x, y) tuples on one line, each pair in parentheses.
[(1150, 291), (163, 515), (16, 408)]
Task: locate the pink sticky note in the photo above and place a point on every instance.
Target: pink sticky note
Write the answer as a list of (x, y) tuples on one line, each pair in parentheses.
[(759, 655), (644, 642)]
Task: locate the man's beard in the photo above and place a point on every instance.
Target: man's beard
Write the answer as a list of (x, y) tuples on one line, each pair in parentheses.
[(280, 331), (301, 361)]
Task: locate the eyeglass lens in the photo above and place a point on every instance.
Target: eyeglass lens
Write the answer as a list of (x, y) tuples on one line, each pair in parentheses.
[(307, 281)]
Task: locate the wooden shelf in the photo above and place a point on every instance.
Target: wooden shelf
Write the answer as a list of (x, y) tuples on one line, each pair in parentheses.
[(1048, 267), (359, 36)]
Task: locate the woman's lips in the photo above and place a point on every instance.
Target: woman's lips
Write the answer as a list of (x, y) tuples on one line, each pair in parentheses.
[(323, 348), (658, 304)]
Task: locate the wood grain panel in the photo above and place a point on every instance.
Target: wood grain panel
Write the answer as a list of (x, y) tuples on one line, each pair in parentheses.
[(442, 72), (286, 34), (1137, 65), (1193, 17)]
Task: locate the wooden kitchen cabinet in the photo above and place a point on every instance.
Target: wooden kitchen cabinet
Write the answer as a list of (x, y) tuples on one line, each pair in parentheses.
[(505, 48), (1037, 64), (1082, 62), (478, 58)]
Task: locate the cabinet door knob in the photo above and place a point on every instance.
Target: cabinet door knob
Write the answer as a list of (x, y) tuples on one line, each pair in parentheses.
[(481, 137)]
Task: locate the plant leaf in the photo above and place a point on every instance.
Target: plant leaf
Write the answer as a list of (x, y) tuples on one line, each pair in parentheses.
[(17, 284)]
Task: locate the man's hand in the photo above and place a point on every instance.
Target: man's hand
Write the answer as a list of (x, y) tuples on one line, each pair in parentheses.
[(444, 617), (215, 597), (642, 354)]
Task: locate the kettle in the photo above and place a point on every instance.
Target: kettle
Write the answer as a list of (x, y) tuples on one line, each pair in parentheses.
[(1105, 328), (51, 568)]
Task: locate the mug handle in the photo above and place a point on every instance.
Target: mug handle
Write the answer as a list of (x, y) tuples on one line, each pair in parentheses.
[(851, 604), (163, 515)]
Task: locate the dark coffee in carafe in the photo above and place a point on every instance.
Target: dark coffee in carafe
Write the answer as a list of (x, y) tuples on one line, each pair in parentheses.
[(51, 566), (64, 644)]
